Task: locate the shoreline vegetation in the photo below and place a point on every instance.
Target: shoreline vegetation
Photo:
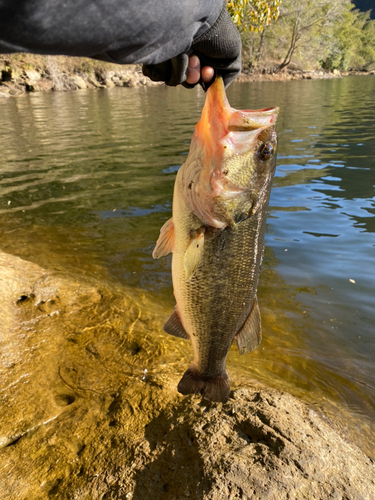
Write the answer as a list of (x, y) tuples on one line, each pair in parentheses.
[(23, 73)]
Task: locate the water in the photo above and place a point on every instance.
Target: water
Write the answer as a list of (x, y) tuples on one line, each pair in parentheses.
[(86, 182)]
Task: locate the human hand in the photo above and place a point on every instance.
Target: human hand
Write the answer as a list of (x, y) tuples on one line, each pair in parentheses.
[(195, 73), (218, 51)]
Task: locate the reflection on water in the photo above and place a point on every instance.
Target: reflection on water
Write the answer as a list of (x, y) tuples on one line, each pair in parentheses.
[(86, 182)]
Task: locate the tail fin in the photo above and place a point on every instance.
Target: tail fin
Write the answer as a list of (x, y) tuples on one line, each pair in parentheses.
[(212, 388)]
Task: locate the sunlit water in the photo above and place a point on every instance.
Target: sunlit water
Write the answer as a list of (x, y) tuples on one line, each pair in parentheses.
[(86, 182)]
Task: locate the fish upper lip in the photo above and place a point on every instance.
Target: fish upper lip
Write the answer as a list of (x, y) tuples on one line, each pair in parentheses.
[(252, 119), (274, 109)]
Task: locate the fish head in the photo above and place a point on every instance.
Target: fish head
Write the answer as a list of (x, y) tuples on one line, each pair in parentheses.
[(231, 161)]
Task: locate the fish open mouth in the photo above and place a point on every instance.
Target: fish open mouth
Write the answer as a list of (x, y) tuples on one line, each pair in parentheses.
[(221, 133), (219, 118), (241, 121)]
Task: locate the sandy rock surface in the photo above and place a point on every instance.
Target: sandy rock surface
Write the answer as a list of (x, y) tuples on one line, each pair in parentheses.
[(89, 409)]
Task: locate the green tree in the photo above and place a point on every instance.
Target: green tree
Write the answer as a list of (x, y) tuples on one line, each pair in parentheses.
[(353, 42), (306, 23)]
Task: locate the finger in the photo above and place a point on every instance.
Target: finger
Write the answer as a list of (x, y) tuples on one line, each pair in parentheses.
[(193, 74), (208, 74)]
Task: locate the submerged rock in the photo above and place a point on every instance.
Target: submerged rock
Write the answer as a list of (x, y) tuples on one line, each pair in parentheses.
[(89, 409)]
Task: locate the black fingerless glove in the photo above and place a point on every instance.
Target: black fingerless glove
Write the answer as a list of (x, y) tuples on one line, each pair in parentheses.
[(219, 47)]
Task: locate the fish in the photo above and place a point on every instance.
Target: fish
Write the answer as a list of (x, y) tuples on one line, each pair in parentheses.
[(216, 236)]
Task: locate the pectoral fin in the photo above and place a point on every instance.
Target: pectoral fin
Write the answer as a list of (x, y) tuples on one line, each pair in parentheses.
[(193, 254), (250, 335), (165, 242), (173, 326)]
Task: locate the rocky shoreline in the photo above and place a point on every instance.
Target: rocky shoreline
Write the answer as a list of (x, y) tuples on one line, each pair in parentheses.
[(295, 73), (17, 77), (62, 73), (90, 409)]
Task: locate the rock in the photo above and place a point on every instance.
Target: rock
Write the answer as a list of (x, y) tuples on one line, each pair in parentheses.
[(30, 86), (73, 353), (45, 84), (41, 86), (130, 82), (261, 444), (95, 83), (109, 83), (12, 88), (110, 74), (77, 82), (32, 75), (34, 82), (90, 409)]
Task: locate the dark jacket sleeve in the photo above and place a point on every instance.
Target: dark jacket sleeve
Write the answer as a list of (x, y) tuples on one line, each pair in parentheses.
[(121, 31)]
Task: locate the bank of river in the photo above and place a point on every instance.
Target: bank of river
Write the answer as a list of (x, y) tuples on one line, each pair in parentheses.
[(86, 181), (23, 73)]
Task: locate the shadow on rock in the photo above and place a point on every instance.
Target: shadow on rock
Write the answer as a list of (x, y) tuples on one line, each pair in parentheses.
[(261, 444), (175, 467)]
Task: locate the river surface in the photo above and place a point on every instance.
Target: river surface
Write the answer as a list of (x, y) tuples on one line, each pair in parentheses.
[(86, 181)]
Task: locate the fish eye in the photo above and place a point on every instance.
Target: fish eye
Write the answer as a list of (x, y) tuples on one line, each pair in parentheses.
[(266, 151)]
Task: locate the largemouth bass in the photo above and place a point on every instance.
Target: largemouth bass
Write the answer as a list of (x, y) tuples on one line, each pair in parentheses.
[(216, 236)]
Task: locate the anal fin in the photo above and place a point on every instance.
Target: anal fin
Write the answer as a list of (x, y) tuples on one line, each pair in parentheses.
[(165, 242), (250, 335), (173, 326)]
